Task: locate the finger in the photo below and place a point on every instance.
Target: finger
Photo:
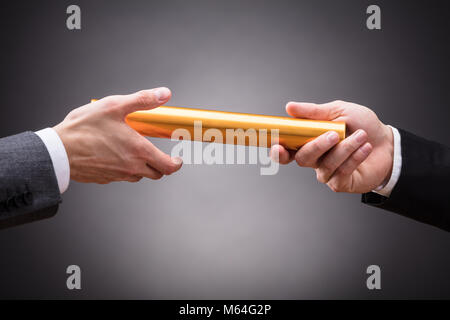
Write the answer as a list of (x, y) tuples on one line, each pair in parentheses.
[(310, 153), (279, 154), (306, 110), (339, 154), (351, 164), (141, 100), (341, 181), (151, 173), (135, 178), (161, 161)]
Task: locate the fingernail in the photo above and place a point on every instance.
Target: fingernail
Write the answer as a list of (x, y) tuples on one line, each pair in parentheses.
[(360, 136), (332, 137), (177, 161), (162, 94)]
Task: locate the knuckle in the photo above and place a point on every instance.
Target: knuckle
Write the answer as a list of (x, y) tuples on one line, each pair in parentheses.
[(132, 169), (333, 186), (326, 165), (140, 150), (336, 184), (315, 148), (134, 179), (306, 156), (145, 97), (369, 112), (112, 101), (166, 172), (358, 157), (72, 115), (349, 146), (320, 175), (338, 107), (343, 171), (157, 176), (300, 160), (111, 105)]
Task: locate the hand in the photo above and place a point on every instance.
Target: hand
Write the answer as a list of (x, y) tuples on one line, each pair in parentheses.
[(102, 148), (358, 164)]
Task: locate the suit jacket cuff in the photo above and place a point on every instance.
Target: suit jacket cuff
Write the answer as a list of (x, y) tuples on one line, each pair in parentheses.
[(396, 166)]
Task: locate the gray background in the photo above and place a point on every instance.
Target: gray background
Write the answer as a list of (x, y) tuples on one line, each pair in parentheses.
[(225, 231)]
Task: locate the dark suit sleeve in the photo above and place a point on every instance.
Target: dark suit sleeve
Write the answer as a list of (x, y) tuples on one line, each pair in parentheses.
[(423, 189), (28, 187)]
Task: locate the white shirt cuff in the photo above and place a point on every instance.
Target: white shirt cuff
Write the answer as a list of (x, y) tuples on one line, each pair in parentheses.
[(58, 155), (396, 166)]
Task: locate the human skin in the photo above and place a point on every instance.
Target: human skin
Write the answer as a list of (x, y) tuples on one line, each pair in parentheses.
[(102, 148), (358, 164)]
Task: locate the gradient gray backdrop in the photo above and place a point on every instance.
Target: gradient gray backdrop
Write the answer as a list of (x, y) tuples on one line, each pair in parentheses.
[(225, 231)]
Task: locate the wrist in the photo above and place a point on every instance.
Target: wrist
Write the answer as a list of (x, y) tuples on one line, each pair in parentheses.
[(59, 129), (388, 147)]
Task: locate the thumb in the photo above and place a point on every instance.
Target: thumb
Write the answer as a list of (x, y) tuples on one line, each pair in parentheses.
[(313, 111), (143, 100)]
